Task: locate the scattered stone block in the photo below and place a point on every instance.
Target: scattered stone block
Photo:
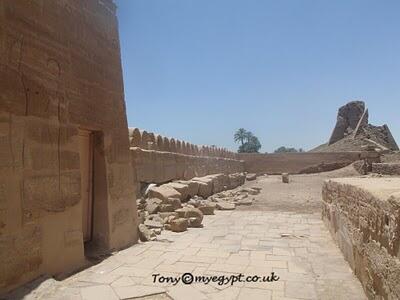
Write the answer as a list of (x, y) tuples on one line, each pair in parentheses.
[(145, 234), (188, 213), (245, 202), (153, 224), (180, 187), (163, 192), (285, 177), (205, 189), (175, 202), (178, 225), (164, 215), (193, 187), (225, 206), (157, 231), (153, 205), (166, 208), (194, 202), (207, 209), (251, 176)]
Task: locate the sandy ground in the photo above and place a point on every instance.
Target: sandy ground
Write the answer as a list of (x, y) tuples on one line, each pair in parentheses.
[(302, 194)]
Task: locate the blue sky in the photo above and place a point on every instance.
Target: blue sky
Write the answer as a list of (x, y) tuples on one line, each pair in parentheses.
[(197, 70)]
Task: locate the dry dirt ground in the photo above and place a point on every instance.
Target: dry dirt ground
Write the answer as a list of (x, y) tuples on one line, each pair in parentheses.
[(281, 233), (302, 195)]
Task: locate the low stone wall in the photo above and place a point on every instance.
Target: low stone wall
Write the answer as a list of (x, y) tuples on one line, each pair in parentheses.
[(152, 166), (363, 215), (386, 168), (308, 162)]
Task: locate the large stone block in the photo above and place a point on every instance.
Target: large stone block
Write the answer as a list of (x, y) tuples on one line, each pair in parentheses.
[(41, 194), (20, 256), (12, 97), (164, 193), (182, 188), (70, 188)]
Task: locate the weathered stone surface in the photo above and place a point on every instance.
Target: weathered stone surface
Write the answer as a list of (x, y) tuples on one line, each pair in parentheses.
[(193, 187), (153, 205), (175, 202), (247, 201), (220, 182), (386, 168), (363, 217), (166, 208), (161, 166), (182, 188), (225, 205), (285, 177), (164, 193), (251, 176), (236, 180), (194, 215), (205, 186), (207, 209), (348, 118), (164, 215), (157, 231), (153, 224), (179, 225), (145, 234), (194, 202), (54, 83)]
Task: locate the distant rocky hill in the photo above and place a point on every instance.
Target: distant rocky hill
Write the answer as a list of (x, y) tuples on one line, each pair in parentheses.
[(354, 133)]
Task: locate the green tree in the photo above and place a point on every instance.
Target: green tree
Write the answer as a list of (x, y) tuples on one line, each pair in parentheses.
[(240, 135), (284, 149), (249, 142)]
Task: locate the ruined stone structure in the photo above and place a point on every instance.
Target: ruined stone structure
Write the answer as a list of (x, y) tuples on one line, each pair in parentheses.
[(363, 215), (350, 116), (70, 169), (352, 132), (65, 166), (386, 168)]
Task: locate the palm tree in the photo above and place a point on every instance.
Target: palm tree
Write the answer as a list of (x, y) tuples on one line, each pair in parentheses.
[(249, 136), (240, 135)]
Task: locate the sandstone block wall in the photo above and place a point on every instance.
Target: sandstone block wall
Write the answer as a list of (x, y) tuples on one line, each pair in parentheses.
[(363, 215), (307, 162), (155, 162), (60, 71), (386, 168)]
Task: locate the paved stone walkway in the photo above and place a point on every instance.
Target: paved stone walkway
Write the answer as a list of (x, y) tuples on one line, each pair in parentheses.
[(297, 247)]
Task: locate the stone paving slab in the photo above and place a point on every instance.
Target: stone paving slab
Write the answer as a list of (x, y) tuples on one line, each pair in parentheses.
[(297, 247)]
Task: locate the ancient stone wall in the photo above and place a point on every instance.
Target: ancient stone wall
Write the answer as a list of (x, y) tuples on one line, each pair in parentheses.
[(160, 159), (386, 168), (60, 71), (307, 162), (363, 215)]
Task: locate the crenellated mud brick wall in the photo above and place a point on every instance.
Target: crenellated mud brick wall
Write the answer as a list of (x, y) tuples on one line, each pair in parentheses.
[(157, 159)]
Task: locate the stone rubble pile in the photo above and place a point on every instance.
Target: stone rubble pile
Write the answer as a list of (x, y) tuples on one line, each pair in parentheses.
[(181, 204)]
